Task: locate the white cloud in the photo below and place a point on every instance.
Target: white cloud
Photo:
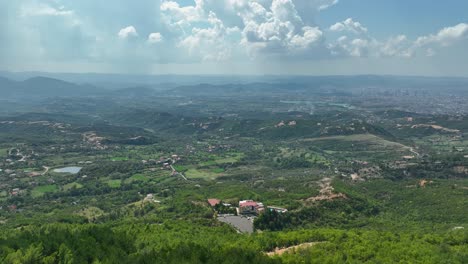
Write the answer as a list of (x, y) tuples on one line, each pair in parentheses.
[(398, 46), (350, 26), (357, 42), (446, 36), (179, 18), (155, 38), (41, 9), (311, 36), (198, 30), (210, 43), (367, 46), (278, 30), (314, 5), (324, 4), (127, 32), (262, 27)]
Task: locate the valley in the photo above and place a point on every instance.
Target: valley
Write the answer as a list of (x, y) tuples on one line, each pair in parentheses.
[(333, 173)]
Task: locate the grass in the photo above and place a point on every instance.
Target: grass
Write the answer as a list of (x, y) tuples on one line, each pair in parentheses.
[(180, 168), (39, 191), (361, 146), (232, 158), (114, 183), (3, 152), (217, 170), (137, 177), (69, 186), (201, 174)]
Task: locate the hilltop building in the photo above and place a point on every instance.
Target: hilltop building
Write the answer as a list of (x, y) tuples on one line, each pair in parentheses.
[(250, 207)]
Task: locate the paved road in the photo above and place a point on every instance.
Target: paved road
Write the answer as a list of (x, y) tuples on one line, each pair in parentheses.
[(243, 224)]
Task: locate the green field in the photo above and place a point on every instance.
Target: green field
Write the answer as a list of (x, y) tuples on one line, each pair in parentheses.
[(69, 186), (3, 152), (41, 190), (201, 174), (137, 177), (231, 158), (114, 183)]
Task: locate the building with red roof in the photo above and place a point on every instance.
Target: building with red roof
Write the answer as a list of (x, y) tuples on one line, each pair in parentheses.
[(214, 202), (250, 207)]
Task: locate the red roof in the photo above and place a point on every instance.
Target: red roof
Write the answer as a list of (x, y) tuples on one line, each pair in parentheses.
[(248, 203), (214, 202)]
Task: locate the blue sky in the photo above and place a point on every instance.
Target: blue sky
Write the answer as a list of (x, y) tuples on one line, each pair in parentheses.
[(307, 37)]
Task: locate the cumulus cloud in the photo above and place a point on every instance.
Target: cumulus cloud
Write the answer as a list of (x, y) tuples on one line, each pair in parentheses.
[(154, 38), (197, 31), (396, 47), (350, 26), (127, 32), (277, 30), (261, 27), (358, 42), (210, 43), (446, 36)]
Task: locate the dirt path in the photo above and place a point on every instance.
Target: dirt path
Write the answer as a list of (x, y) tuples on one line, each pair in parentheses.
[(46, 170), (281, 251)]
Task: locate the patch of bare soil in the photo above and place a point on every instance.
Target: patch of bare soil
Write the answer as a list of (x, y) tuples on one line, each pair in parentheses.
[(326, 192), (93, 139), (436, 127), (281, 251)]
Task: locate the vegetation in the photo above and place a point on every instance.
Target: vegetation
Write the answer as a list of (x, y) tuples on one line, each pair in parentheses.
[(363, 181)]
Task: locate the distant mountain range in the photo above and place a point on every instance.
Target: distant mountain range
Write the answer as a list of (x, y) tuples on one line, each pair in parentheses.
[(40, 87), (44, 87), (47, 87)]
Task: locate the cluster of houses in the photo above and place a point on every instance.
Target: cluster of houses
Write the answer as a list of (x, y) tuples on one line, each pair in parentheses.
[(248, 207)]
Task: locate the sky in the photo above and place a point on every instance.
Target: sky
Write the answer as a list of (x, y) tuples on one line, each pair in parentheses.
[(236, 37)]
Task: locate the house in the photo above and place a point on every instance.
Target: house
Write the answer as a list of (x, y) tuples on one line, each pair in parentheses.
[(250, 207), (214, 202)]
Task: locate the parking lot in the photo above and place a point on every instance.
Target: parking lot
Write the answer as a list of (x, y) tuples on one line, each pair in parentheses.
[(243, 224)]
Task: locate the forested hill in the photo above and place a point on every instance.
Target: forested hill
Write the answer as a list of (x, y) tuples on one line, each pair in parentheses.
[(179, 242)]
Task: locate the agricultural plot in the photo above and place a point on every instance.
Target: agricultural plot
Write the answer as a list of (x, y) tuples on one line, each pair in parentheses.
[(364, 146), (40, 191)]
